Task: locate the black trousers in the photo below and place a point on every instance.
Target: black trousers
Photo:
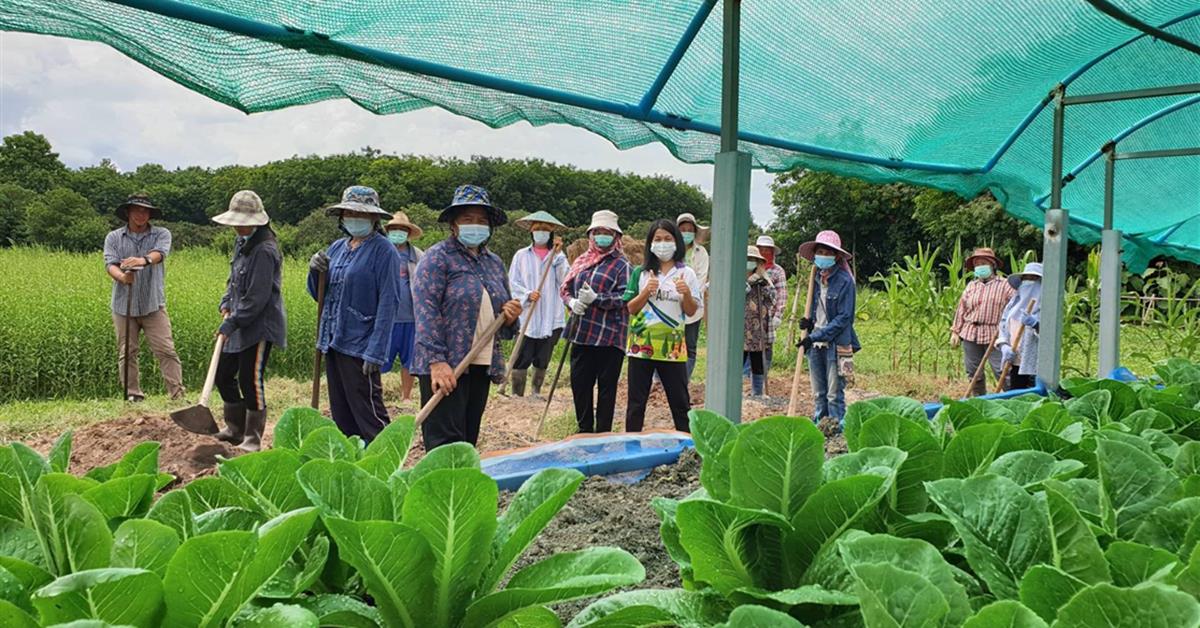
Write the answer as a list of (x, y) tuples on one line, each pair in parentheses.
[(1016, 381), (592, 366), (537, 352), (756, 361), (456, 419), (673, 376), (355, 400), (240, 376)]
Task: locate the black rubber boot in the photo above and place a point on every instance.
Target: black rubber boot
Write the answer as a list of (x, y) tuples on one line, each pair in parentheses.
[(518, 382), (256, 422), (539, 377), (235, 423)]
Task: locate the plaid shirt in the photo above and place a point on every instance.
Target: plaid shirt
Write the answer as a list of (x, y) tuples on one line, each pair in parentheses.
[(779, 280), (979, 309), (606, 321)]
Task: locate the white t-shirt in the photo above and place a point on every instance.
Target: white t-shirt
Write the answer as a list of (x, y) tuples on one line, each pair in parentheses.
[(656, 333), (486, 317)]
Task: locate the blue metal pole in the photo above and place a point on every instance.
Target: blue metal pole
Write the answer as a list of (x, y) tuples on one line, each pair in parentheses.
[(685, 41)]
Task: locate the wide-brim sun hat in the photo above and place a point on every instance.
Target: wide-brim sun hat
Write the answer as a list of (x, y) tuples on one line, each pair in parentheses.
[(138, 200), (701, 230), (358, 198), (766, 240), (1032, 269), (245, 210), (527, 222), (829, 239), (752, 252), (473, 196), (981, 253), (605, 219), (400, 221)]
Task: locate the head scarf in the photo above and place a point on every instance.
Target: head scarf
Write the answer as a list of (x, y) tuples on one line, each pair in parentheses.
[(592, 256), (769, 256)]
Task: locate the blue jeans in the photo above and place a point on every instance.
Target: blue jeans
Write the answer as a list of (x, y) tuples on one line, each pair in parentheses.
[(756, 381), (828, 388)]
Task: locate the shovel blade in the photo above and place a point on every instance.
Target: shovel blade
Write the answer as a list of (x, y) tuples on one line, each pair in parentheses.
[(197, 419)]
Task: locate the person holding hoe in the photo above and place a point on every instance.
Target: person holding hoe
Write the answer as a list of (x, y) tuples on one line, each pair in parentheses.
[(1027, 288), (593, 291), (662, 293), (697, 259), (401, 232), (777, 279), (461, 287), (831, 340), (134, 257), (977, 317), (355, 329), (760, 309), (254, 320), (534, 268)]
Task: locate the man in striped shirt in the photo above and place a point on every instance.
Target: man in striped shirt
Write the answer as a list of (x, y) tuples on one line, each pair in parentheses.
[(978, 315)]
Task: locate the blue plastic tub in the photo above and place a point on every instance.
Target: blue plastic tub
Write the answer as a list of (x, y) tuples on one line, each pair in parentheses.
[(628, 456)]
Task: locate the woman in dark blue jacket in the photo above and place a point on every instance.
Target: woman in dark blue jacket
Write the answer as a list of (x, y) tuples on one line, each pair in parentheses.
[(355, 330), (831, 341)]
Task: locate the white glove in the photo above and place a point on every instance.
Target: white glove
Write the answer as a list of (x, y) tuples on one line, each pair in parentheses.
[(577, 307), (776, 322), (587, 295), (747, 287)]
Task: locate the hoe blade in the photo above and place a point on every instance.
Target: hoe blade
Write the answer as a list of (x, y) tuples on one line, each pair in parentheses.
[(197, 419)]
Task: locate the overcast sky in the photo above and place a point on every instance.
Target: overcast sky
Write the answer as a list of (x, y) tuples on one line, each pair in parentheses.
[(92, 102)]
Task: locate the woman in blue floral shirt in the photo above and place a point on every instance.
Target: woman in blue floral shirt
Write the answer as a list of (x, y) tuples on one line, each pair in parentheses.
[(460, 288)]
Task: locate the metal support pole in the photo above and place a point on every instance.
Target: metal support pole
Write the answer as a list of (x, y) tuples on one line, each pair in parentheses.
[(731, 231), (1110, 276), (1054, 258)]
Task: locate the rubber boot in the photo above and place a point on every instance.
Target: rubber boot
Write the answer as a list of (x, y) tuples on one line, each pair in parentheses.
[(518, 382), (539, 377), (256, 422), (235, 423), (756, 385)]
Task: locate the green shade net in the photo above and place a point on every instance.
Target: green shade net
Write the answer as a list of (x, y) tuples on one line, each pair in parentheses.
[(947, 94)]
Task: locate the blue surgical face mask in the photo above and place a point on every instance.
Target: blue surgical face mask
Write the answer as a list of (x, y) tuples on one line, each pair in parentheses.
[(751, 266), (541, 237), (398, 237), (663, 250), (603, 241), (824, 262), (983, 271), (242, 238), (358, 227), (473, 235), (688, 238)]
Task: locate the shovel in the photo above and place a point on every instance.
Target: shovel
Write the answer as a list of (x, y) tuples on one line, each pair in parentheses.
[(198, 418), (794, 399)]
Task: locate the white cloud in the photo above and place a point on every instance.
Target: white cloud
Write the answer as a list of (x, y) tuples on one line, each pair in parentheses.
[(92, 102)]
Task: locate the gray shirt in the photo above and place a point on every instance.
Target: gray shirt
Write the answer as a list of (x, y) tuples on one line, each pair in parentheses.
[(148, 294)]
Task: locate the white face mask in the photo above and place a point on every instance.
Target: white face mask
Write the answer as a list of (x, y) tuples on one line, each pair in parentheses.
[(541, 237), (663, 250), (751, 265), (358, 227)]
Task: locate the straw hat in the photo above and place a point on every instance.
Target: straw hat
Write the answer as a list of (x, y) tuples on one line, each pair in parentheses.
[(137, 200), (473, 196), (1032, 269), (400, 221), (829, 239), (358, 198), (980, 254), (245, 210), (605, 219), (766, 240), (752, 253), (527, 222)]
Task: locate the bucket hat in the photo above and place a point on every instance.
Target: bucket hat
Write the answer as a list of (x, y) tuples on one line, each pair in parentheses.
[(979, 254), (766, 240), (139, 200), (828, 239), (527, 222), (605, 219), (358, 198), (245, 210), (473, 196), (400, 221), (752, 253), (701, 230), (1032, 269)]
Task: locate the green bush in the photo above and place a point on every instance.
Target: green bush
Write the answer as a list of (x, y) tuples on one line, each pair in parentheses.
[(64, 219)]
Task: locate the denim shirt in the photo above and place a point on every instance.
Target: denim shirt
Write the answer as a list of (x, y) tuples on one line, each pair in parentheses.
[(448, 285), (839, 306), (360, 299)]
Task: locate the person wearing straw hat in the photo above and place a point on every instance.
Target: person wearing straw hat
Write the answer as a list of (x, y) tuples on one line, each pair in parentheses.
[(831, 340), (778, 279), (134, 257), (548, 318), (401, 232), (977, 316), (355, 330), (760, 308), (593, 291), (697, 259), (1027, 287), (253, 320), (461, 287)]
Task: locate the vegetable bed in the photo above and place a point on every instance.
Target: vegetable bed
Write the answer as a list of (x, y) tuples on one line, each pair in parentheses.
[(1024, 512)]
